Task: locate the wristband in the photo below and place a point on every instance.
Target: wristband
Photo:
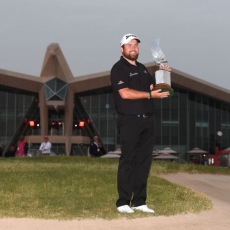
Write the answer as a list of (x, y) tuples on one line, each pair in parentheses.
[(149, 95)]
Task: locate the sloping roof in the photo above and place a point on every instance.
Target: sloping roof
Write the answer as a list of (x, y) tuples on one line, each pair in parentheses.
[(190, 82), (55, 65), (20, 81), (178, 79)]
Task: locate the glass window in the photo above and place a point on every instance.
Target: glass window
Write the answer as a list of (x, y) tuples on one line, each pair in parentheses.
[(59, 84), (49, 93), (3, 126), (11, 104), (103, 127), (20, 105), (10, 125), (51, 84), (3, 103), (86, 102), (62, 93), (55, 89), (191, 121), (104, 106), (184, 121)]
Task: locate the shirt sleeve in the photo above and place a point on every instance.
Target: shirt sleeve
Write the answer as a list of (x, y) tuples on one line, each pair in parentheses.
[(48, 146), (40, 148), (119, 78), (45, 146)]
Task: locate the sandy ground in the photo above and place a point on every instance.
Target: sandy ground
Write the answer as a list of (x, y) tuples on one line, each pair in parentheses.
[(216, 187)]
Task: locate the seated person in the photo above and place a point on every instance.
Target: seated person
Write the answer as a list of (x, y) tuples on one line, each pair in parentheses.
[(95, 148), (45, 146)]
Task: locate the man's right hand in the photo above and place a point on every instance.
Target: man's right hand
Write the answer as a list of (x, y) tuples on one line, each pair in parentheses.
[(158, 94)]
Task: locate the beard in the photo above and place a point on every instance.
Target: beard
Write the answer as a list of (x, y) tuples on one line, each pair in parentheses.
[(129, 56)]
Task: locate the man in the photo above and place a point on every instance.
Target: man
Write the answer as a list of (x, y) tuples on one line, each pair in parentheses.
[(22, 147), (95, 148), (45, 146), (133, 89)]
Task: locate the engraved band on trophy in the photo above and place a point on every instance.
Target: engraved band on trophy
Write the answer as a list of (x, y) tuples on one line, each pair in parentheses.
[(163, 77)]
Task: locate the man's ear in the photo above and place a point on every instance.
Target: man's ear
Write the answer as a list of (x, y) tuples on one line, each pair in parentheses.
[(122, 49)]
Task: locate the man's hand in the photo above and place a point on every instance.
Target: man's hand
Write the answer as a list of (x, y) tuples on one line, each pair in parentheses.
[(158, 94), (165, 67)]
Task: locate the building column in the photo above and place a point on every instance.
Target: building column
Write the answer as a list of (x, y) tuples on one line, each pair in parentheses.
[(43, 112), (69, 106)]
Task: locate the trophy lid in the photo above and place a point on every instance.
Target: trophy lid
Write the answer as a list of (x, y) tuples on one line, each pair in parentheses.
[(157, 53)]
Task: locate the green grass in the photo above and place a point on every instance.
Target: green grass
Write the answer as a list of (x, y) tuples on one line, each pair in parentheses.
[(81, 187)]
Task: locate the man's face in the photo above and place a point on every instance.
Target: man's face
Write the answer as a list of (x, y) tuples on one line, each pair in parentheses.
[(131, 50), (45, 139)]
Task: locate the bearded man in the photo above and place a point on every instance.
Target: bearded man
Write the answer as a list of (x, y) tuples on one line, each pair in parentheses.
[(133, 93)]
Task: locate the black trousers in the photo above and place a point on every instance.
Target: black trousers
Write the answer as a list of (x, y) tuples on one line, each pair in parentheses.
[(137, 141)]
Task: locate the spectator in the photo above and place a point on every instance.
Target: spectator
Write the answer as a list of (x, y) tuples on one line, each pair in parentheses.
[(45, 147), (95, 148), (22, 147)]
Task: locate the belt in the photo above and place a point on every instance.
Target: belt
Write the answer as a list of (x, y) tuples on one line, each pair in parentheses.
[(145, 115)]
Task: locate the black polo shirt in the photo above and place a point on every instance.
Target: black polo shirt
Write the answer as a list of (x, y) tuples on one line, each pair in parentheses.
[(126, 75)]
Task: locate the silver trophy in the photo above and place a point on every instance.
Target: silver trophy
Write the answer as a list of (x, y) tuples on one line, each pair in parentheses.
[(163, 77)]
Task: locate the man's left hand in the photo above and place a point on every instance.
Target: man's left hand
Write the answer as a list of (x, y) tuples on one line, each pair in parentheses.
[(165, 67)]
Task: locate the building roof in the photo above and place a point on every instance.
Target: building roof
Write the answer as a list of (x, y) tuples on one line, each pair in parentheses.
[(55, 65)]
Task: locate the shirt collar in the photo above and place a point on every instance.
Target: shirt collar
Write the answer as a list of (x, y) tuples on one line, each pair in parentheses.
[(127, 63)]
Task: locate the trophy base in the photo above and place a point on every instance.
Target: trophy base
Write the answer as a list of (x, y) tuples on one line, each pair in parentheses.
[(164, 88)]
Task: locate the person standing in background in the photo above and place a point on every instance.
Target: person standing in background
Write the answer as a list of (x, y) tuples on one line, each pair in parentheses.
[(22, 147), (45, 146)]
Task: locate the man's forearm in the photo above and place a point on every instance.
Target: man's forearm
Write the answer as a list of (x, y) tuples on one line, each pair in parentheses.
[(132, 94)]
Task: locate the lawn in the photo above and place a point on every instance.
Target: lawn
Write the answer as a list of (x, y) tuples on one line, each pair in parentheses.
[(82, 187)]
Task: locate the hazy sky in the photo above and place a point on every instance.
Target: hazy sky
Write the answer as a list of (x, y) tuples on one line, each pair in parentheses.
[(194, 34)]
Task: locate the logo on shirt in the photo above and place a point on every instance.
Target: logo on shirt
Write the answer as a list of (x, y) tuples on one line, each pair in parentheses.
[(145, 71), (120, 82), (132, 74)]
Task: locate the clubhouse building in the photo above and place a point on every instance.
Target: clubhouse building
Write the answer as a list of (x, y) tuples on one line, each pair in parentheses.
[(71, 110)]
